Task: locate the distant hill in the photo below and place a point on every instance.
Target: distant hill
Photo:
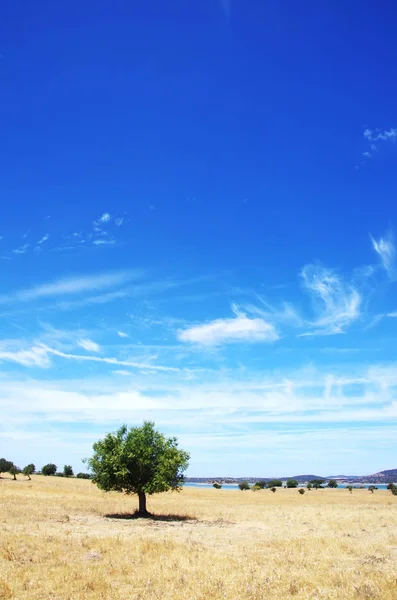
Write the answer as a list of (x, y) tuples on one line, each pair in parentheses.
[(389, 473), (305, 477)]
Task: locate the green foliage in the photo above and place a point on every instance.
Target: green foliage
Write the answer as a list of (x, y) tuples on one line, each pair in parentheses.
[(261, 484), (309, 486), (14, 470), (83, 476), (332, 483), (390, 486), (317, 483), (256, 488), (244, 485), (292, 483), (29, 470), (350, 488), (68, 471), (138, 460), (5, 465), (49, 469), (217, 486), (60, 474), (274, 483), (372, 488), (394, 490), (301, 491), (274, 489)]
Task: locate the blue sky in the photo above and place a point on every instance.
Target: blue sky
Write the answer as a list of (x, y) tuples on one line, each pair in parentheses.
[(198, 206)]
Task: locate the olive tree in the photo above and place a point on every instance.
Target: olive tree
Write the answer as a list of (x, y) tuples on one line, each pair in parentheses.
[(29, 470), (292, 483), (49, 469), (244, 486), (138, 460), (14, 470), (5, 465), (332, 483)]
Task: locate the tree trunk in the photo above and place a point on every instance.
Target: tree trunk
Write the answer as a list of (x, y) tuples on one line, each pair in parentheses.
[(29, 478), (142, 504), (15, 477)]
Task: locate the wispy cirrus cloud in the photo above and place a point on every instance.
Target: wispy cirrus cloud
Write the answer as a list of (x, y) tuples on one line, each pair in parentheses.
[(43, 239), (71, 285), (89, 345), (239, 328), (103, 242), (376, 137), (122, 334), (386, 250), (336, 302), (36, 356), (21, 249)]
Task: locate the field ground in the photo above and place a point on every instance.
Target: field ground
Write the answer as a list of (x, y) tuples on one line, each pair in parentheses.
[(58, 542)]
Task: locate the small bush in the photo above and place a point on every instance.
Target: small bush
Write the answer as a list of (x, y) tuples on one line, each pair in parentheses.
[(350, 488), (256, 488), (274, 489), (244, 485), (332, 483), (301, 491), (83, 476), (217, 485)]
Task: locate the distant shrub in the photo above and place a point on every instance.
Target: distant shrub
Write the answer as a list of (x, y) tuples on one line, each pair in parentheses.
[(350, 488), (274, 483), (301, 491), (49, 469), (217, 485), (390, 486), (83, 476), (394, 490), (244, 485), (274, 489), (60, 474), (309, 486), (372, 488), (332, 483), (256, 488), (317, 483), (292, 483), (261, 484), (68, 471)]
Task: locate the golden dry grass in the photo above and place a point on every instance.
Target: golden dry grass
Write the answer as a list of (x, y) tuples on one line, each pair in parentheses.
[(56, 543)]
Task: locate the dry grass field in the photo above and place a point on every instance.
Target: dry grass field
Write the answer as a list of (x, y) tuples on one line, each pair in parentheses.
[(58, 542)]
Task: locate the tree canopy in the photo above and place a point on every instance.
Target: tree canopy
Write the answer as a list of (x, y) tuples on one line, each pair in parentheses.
[(292, 483), (332, 483), (138, 460), (5, 465), (49, 469), (244, 485), (274, 483)]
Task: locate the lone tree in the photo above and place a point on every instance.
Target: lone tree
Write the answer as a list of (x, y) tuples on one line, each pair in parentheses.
[(274, 483), (5, 465), (29, 470), (138, 460), (244, 485), (292, 483), (68, 471), (14, 470), (332, 483), (217, 485), (49, 469)]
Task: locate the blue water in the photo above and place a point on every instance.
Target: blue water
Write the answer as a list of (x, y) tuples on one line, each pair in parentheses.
[(234, 486)]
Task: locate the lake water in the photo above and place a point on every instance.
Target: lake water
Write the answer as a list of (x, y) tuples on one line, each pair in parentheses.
[(234, 486)]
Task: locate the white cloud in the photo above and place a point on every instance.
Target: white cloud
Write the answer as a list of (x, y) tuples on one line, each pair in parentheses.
[(374, 135), (34, 357), (122, 334), (105, 218), (337, 303), (392, 315), (71, 285), (238, 329), (103, 242), (89, 345), (387, 252), (111, 361), (43, 239), (119, 222), (21, 250), (122, 372)]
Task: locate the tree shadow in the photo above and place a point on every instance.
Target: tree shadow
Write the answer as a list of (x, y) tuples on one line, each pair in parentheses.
[(150, 517)]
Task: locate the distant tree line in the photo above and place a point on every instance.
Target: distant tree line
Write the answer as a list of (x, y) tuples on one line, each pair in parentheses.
[(50, 469)]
